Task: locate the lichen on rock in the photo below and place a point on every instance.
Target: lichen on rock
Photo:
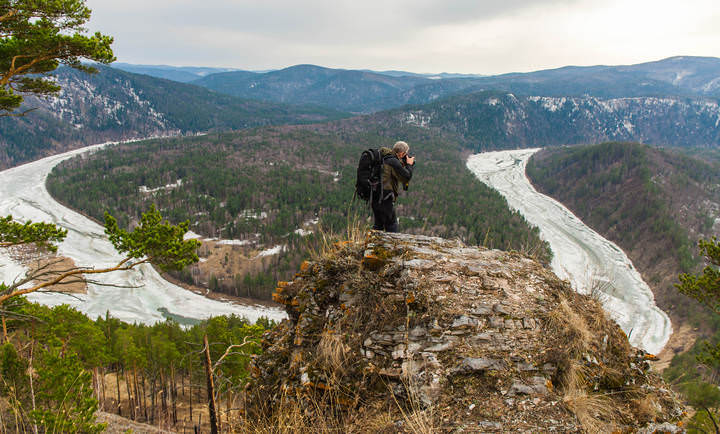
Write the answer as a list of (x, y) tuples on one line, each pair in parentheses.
[(401, 326)]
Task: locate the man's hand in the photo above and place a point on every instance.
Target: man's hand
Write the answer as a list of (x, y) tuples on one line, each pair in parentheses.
[(411, 160)]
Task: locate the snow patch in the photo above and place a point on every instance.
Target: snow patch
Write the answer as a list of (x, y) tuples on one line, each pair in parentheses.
[(418, 119), (146, 190), (190, 235), (235, 242), (629, 127), (252, 214), (272, 251)]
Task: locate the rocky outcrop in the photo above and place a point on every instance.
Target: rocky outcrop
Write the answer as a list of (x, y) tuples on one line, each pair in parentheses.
[(411, 331)]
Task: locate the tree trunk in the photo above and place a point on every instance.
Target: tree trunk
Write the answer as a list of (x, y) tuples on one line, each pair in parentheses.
[(117, 379), (173, 388), (152, 399), (32, 388), (144, 397), (164, 396), (191, 397), (96, 386), (4, 326), (131, 404), (138, 397), (102, 379), (227, 406), (214, 425)]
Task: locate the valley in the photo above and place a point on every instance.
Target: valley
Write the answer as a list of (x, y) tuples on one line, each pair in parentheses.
[(262, 167), (284, 190)]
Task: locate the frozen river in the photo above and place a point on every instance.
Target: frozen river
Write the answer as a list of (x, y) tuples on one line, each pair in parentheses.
[(23, 195), (581, 255)]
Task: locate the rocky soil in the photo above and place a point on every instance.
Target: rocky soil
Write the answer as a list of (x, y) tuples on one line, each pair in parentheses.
[(418, 334)]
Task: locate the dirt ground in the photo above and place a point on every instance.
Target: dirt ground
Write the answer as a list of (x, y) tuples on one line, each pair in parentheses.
[(680, 341), (200, 413), (49, 266)]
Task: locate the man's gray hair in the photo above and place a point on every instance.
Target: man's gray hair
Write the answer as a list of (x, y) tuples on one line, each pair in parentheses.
[(399, 147)]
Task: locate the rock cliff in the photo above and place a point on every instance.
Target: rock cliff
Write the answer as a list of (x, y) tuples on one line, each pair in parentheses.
[(421, 334)]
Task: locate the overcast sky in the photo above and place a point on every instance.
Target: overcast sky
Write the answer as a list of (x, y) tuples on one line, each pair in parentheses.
[(464, 36)]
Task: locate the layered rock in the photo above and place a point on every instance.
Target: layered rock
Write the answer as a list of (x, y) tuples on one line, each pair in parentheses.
[(411, 330)]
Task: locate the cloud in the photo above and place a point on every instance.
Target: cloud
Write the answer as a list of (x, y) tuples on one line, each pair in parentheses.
[(418, 35), (434, 12)]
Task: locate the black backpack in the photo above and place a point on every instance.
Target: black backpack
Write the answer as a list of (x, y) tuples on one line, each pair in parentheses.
[(369, 175)]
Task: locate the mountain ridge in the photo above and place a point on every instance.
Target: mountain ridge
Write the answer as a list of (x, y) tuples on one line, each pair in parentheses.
[(675, 76), (116, 105)]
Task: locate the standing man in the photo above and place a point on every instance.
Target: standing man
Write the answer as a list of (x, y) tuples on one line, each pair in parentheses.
[(397, 170)]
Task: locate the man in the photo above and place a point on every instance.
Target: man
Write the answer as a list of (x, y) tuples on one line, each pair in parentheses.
[(397, 170)]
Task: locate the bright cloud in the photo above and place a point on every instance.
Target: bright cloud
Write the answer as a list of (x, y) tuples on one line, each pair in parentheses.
[(486, 37)]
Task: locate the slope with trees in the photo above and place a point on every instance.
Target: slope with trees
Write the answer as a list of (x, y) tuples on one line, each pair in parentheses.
[(701, 384), (118, 105), (46, 366), (499, 120), (653, 203)]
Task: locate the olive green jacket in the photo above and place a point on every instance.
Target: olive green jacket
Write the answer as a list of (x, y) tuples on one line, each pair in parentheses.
[(394, 174)]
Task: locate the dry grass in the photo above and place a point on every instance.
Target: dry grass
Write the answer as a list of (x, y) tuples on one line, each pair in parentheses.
[(331, 242), (333, 352), (647, 408), (595, 412), (417, 418), (568, 323)]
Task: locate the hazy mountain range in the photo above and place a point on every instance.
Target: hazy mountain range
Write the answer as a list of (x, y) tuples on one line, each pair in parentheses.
[(367, 91)]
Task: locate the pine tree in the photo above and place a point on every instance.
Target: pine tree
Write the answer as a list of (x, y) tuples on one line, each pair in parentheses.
[(35, 38)]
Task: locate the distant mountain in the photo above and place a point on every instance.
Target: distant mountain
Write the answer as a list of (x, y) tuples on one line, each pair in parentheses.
[(367, 91), (114, 104), (183, 74), (674, 76), (492, 120), (440, 75), (346, 90)]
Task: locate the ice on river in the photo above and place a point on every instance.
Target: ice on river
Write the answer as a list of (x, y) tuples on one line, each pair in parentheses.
[(24, 196), (581, 255)]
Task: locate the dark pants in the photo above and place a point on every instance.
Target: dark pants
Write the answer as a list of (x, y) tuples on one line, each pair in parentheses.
[(385, 219)]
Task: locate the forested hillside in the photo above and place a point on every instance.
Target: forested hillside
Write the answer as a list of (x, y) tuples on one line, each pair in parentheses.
[(272, 186), (495, 120), (116, 105), (153, 374), (654, 203)]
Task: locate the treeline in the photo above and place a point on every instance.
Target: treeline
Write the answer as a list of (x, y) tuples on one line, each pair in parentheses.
[(271, 181), (152, 374)]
